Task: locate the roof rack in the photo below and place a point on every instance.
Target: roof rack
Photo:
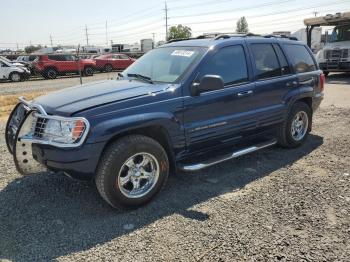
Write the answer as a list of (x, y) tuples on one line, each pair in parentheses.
[(281, 36), (231, 35), (190, 38)]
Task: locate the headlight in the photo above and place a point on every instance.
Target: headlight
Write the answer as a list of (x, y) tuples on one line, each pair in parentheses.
[(319, 55), (61, 131)]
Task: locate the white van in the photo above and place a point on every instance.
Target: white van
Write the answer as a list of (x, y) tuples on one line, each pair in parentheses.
[(9, 71)]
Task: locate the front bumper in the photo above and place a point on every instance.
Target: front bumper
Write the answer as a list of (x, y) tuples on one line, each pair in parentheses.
[(335, 66), (25, 75), (32, 155), (80, 163)]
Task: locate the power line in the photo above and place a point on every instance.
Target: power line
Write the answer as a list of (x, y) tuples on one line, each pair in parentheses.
[(234, 9), (291, 17), (215, 2)]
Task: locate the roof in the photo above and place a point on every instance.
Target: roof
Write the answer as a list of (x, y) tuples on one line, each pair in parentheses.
[(329, 20)]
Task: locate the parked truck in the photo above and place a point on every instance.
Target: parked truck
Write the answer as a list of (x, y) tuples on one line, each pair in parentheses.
[(335, 55)]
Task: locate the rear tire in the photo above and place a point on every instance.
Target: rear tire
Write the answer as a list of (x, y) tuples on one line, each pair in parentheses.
[(15, 77), (295, 130), (108, 68), (132, 171)]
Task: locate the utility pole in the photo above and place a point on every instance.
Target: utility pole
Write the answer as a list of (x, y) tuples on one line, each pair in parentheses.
[(153, 34), (17, 46), (51, 40), (106, 35), (315, 13), (87, 36), (166, 21)]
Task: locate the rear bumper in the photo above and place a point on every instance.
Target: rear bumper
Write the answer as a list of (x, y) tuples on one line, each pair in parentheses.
[(335, 66), (316, 101), (80, 163)]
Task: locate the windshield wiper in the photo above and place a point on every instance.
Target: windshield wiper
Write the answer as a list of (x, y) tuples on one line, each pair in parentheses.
[(141, 77)]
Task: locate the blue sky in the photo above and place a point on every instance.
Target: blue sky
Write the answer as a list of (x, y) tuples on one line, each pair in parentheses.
[(32, 21)]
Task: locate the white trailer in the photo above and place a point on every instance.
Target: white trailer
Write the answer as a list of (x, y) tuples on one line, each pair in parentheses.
[(315, 37)]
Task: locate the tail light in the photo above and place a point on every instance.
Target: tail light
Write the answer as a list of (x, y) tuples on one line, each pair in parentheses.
[(322, 81)]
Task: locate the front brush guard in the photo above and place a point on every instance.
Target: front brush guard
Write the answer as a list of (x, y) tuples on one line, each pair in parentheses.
[(19, 124)]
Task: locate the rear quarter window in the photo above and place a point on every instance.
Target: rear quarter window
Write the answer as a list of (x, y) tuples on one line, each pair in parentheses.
[(300, 58)]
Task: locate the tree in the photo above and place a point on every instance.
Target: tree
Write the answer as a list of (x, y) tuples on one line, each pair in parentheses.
[(242, 26), (32, 48), (179, 31)]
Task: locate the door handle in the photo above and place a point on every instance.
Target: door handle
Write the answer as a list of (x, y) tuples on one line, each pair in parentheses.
[(245, 93), (292, 84)]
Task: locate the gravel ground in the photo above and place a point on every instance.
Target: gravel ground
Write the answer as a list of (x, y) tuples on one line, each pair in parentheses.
[(272, 205)]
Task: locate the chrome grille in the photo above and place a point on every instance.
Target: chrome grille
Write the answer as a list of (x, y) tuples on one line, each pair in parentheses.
[(336, 54), (39, 127)]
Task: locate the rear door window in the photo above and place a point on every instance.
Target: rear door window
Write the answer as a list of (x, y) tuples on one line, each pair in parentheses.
[(266, 62), (229, 63), (69, 58), (56, 57), (285, 70), (300, 58)]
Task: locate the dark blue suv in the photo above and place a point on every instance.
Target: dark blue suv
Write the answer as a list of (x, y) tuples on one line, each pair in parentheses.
[(184, 106)]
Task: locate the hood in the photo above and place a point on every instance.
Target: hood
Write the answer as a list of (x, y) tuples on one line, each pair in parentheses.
[(71, 100), (88, 60), (339, 45), (18, 64)]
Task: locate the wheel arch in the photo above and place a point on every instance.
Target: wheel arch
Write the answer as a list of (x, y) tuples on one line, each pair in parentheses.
[(156, 131), (51, 67), (307, 100)]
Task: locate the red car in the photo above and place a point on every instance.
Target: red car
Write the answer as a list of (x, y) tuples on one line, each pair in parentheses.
[(111, 62), (50, 66)]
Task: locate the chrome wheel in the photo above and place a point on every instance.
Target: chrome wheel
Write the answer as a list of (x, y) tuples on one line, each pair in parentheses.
[(15, 77), (138, 175), (300, 124)]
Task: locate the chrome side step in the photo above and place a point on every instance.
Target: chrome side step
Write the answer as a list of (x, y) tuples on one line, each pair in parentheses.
[(241, 152)]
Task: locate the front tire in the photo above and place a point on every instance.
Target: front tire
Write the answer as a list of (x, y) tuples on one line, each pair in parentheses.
[(295, 130), (51, 73), (15, 77), (88, 71), (132, 171)]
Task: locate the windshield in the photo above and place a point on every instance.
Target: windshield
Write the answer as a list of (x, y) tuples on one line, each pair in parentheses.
[(165, 64), (7, 60), (340, 33)]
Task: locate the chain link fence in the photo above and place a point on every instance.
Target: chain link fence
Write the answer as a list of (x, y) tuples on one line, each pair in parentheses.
[(61, 65)]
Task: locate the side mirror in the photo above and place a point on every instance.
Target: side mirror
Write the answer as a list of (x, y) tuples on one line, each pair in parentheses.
[(207, 83)]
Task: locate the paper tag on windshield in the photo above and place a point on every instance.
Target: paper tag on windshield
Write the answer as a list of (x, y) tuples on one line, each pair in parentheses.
[(183, 53)]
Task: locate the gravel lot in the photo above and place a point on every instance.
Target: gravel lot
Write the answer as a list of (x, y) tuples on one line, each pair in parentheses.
[(272, 205)]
